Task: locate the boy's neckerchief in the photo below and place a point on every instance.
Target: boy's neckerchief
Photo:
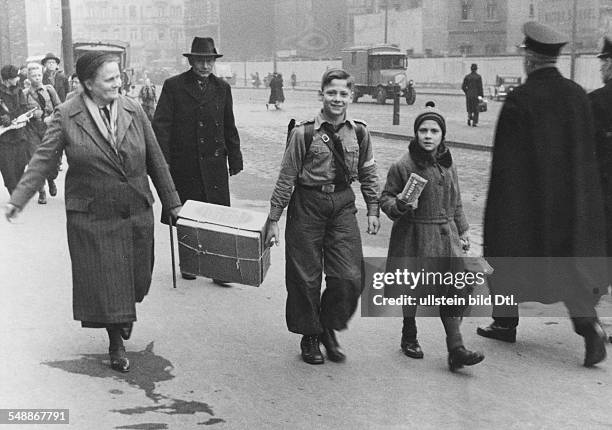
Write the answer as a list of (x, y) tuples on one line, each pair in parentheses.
[(424, 158)]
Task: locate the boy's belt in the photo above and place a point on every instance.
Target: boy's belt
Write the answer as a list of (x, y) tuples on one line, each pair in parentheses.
[(327, 188)]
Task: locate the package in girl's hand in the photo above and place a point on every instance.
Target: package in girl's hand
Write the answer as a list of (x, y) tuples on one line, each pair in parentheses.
[(413, 188)]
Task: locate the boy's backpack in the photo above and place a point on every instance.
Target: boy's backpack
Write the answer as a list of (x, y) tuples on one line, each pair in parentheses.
[(309, 132)]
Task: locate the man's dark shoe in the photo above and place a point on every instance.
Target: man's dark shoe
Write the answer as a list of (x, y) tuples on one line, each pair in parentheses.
[(469, 122), (220, 282), (460, 357), (334, 353), (498, 332), (42, 198), (595, 346), (52, 188), (311, 353), (188, 276), (411, 348)]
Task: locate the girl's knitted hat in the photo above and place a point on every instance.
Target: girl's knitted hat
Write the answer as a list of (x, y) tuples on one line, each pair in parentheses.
[(430, 112)]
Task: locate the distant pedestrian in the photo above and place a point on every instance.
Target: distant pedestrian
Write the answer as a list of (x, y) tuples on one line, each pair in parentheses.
[(427, 234), (293, 80), (472, 87), (53, 76), (12, 142), (44, 99), (277, 96), (322, 233), (111, 152), (194, 124), (544, 223), (148, 98), (75, 87), (23, 75)]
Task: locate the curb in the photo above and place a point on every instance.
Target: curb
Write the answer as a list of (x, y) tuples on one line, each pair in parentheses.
[(404, 137)]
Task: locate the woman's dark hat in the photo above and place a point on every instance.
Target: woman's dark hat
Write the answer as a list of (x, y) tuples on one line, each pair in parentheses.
[(9, 72), (203, 47), (542, 39), (48, 57), (606, 50)]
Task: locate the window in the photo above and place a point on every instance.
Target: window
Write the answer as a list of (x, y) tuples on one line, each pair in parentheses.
[(132, 12), (466, 10), (353, 58), (492, 49), (491, 9), (465, 49), (531, 11)]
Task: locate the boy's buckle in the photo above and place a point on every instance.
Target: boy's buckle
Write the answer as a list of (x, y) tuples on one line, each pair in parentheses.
[(328, 188), (325, 138)]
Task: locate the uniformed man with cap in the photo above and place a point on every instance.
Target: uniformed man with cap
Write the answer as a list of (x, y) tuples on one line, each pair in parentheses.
[(544, 221)]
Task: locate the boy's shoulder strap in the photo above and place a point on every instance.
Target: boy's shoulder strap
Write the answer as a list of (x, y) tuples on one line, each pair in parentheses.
[(360, 128), (308, 130)]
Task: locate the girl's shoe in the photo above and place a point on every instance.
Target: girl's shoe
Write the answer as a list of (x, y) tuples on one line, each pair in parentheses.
[(460, 357), (411, 348)]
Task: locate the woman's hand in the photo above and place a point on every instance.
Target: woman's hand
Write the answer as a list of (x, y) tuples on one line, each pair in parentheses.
[(11, 212), (465, 241), (174, 213)]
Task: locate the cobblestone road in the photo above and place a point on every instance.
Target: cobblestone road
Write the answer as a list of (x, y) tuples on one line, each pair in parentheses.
[(263, 133)]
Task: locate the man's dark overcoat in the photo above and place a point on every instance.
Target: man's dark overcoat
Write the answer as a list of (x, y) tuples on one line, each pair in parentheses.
[(198, 136), (544, 197), (601, 102)]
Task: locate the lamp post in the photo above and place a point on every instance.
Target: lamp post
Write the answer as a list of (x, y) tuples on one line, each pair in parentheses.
[(67, 38), (573, 42), (386, 19)]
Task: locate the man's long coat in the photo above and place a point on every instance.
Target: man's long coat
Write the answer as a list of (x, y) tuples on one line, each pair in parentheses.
[(198, 136)]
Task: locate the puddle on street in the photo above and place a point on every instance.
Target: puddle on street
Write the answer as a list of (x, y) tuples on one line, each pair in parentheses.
[(147, 370)]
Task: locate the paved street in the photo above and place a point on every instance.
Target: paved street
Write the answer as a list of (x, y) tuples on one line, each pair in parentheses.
[(205, 355)]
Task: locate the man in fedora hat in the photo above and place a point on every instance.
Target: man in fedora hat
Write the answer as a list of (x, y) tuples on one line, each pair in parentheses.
[(544, 215), (194, 124), (53, 76), (472, 87)]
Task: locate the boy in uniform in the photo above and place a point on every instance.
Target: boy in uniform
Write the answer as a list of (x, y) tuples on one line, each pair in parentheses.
[(322, 158)]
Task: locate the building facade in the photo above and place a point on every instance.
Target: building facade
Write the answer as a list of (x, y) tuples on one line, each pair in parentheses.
[(13, 32)]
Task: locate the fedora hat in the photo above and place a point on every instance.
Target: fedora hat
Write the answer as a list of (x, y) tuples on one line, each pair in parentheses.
[(203, 47), (49, 56)]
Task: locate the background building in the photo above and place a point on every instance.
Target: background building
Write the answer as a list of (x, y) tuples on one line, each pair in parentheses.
[(246, 30), (13, 33)]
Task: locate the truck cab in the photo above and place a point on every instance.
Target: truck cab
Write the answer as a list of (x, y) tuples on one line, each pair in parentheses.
[(379, 71)]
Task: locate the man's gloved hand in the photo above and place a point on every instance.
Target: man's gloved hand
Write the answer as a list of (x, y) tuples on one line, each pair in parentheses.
[(5, 120)]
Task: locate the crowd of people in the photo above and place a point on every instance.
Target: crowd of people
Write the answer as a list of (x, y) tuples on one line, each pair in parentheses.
[(546, 219)]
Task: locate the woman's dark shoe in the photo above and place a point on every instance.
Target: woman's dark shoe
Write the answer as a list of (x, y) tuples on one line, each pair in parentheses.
[(188, 276), (499, 332), (311, 353), (126, 331), (460, 357), (52, 187), (411, 348), (329, 341), (119, 361)]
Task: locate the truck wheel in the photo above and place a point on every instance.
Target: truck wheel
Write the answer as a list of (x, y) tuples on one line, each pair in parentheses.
[(381, 96), (411, 97)]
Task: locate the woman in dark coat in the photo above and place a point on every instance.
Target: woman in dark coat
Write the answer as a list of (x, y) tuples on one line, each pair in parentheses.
[(277, 95), (111, 148), (426, 235)]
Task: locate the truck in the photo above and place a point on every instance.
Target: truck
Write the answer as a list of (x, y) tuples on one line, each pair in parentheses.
[(379, 71), (117, 47)]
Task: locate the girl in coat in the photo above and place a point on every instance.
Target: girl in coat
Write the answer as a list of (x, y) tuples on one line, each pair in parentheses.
[(427, 234)]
